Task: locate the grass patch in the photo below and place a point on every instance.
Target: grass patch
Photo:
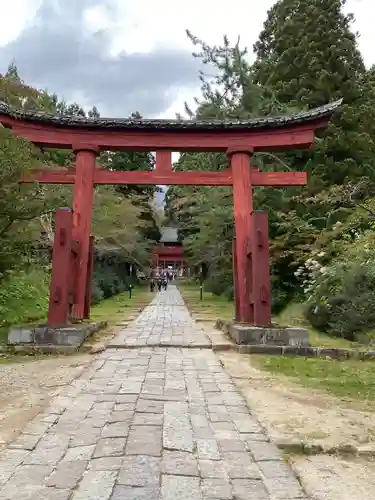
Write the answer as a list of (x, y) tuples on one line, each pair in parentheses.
[(214, 307), (23, 299), (211, 307), (120, 307), (350, 378)]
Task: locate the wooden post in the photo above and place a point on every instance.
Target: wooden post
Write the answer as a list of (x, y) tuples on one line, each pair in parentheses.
[(82, 217), (163, 164), (58, 309), (235, 281), (89, 279), (73, 276), (261, 270), (243, 207)]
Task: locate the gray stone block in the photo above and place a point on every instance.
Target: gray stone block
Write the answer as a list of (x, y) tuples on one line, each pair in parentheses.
[(67, 474), (308, 352), (74, 336), (334, 353), (261, 349), (67, 336), (136, 493), (214, 488), (139, 471), (179, 463), (256, 335), (144, 440), (181, 488), (20, 335), (96, 485), (250, 488)]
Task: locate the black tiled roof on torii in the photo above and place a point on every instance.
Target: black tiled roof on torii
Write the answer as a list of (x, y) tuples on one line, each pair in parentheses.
[(302, 117)]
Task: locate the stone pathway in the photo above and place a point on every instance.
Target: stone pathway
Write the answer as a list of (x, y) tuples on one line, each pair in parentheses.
[(165, 322), (148, 423)]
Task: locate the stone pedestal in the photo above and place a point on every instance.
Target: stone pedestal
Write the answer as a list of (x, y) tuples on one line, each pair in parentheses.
[(256, 335), (43, 335)]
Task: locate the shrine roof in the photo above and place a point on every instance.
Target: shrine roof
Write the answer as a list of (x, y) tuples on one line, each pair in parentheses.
[(268, 122), (169, 234)]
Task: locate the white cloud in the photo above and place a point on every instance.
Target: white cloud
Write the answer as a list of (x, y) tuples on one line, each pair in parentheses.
[(144, 26), (15, 15)]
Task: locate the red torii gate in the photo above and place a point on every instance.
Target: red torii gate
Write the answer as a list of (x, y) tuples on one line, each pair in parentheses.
[(239, 139)]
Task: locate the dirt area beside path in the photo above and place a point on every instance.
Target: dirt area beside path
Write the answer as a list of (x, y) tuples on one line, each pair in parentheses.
[(27, 387), (292, 415)]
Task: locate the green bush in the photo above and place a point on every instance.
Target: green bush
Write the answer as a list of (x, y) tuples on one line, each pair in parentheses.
[(24, 296), (111, 275), (341, 298), (96, 292), (219, 283), (351, 310)]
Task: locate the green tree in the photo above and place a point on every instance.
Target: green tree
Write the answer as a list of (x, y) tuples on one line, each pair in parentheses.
[(307, 53), (141, 196), (282, 82), (20, 204)]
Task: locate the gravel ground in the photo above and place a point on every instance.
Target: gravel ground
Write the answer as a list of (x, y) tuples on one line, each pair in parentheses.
[(27, 387)]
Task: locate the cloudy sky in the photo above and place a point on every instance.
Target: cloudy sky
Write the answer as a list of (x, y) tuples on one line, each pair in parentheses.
[(131, 55)]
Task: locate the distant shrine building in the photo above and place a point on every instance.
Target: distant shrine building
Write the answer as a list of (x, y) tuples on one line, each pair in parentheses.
[(169, 253)]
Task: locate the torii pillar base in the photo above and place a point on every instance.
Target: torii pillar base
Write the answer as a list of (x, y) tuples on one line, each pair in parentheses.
[(258, 295)]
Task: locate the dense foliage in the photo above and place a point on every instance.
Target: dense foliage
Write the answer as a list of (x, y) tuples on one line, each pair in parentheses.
[(123, 219), (306, 56)]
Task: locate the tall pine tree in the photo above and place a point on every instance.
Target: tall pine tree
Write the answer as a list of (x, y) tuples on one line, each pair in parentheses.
[(307, 52), (308, 55)]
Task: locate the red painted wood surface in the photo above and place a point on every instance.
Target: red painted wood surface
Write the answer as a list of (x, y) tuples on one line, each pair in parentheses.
[(163, 162), (89, 279), (235, 281), (82, 217), (278, 178), (261, 270), (50, 176), (243, 207), (73, 272), (173, 178), (58, 309), (299, 136), (176, 251)]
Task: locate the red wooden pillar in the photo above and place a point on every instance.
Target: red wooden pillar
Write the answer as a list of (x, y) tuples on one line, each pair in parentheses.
[(58, 310), (89, 279), (261, 270), (82, 218), (243, 207), (235, 281), (73, 276)]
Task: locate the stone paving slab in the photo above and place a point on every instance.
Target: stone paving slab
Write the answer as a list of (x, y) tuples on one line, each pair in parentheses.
[(165, 322), (149, 423)]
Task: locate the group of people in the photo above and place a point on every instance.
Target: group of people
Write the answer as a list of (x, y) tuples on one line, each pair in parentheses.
[(161, 280)]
